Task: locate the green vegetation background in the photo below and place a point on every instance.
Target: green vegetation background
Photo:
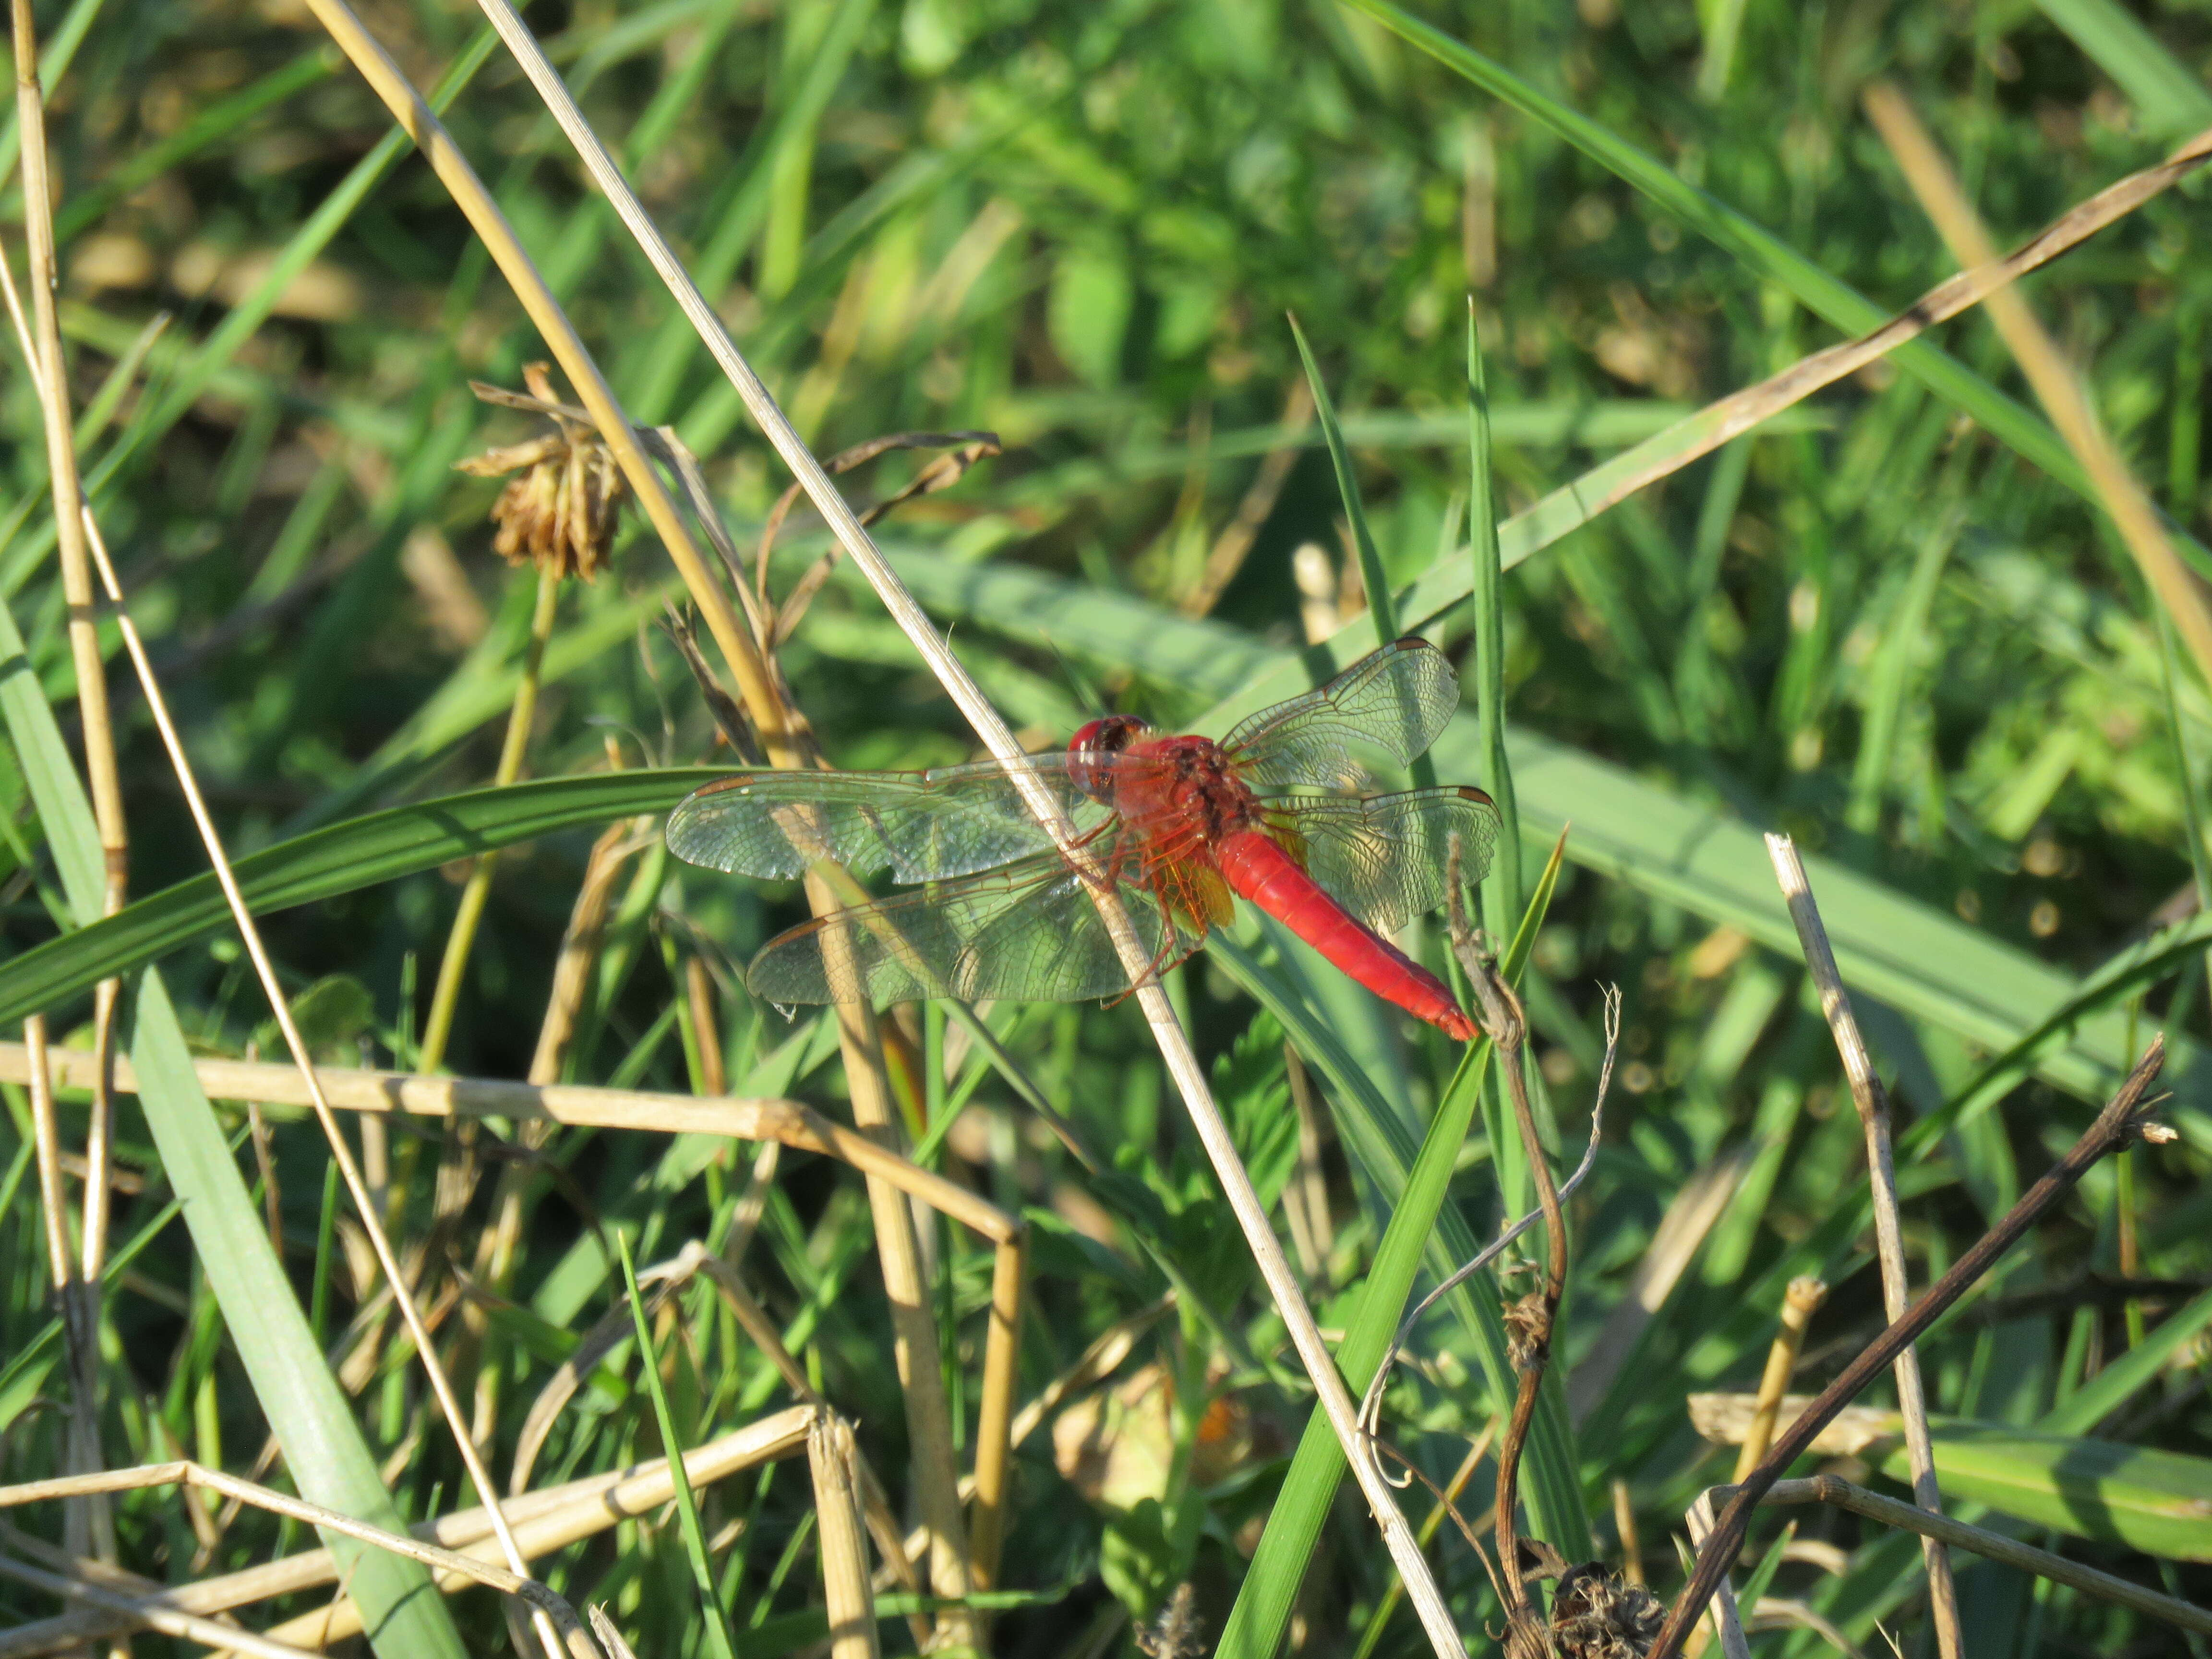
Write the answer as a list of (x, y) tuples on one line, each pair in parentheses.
[(1874, 624)]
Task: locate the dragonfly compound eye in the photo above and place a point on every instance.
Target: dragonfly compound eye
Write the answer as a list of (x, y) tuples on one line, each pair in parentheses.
[(1101, 737)]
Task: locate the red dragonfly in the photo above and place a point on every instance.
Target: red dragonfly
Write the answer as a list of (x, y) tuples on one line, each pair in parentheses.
[(1180, 822)]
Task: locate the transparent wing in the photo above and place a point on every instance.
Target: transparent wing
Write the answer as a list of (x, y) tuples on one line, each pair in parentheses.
[(1385, 858), (1393, 701), (920, 826), (1031, 935)]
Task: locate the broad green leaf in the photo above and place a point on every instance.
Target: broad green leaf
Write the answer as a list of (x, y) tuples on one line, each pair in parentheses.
[(2158, 1502), (2138, 1368), (324, 863)]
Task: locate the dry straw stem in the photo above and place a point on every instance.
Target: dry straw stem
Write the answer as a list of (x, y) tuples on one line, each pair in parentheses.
[(914, 1321), (851, 1601), (1175, 1047), (1669, 452), (41, 343), (2059, 388), (545, 1521), (449, 1404), (1728, 1620), (785, 1122), (1994, 1546), (1624, 1523), (141, 1610), (544, 1602), (1873, 1103), (2124, 1120), (1799, 1303), (87, 1523)]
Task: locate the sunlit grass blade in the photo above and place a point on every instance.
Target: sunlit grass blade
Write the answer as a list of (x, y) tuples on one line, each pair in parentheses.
[(687, 1504), (1501, 887)]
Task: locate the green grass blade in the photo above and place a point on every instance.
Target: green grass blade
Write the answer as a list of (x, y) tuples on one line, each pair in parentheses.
[(2144, 1499), (2171, 102), (2111, 1389), (324, 863), (1501, 889), (1256, 1623), (687, 1504), (53, 63), (1379, 605)]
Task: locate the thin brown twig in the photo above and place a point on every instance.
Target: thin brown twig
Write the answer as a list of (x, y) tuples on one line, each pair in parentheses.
[(1872, 1100), (1371, 1405), (1529, 1321), (2058, 385), (2124, 1119)]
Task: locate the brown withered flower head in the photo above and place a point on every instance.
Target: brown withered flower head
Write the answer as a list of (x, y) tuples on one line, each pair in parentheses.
[(559, 513), (1597, 1614), (1528, 1330)]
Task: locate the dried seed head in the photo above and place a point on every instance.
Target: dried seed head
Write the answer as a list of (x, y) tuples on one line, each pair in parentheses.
[(1175, 1634), (1527, 1330), (1597, 1614), (559, 515)]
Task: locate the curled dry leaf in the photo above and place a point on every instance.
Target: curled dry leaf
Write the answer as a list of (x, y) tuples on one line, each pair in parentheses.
[(559, 513)]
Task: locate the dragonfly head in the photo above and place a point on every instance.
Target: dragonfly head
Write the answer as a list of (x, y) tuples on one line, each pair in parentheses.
[(1109, 736)]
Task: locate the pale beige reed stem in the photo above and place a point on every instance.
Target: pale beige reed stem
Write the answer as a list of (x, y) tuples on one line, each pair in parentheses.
[(544, 1601), (914, 1322), (1624, 1523), (851, 1601), (341, 1150), (1799, 1303), (2058, 385), (1175, 1047), (1873, 1103), (42, 356), (546, 1520)]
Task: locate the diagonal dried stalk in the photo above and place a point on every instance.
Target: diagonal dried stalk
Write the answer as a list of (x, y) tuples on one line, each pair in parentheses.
[(2058, 385), (2125, 1121), (1872, 1100), (851, 1603), (341, 1150), (1690, 439), (1180, 1063), (144, 1611), (914, 1323)]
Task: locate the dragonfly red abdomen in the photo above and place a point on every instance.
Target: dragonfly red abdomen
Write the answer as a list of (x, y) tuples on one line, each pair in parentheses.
[(1261, 872)]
